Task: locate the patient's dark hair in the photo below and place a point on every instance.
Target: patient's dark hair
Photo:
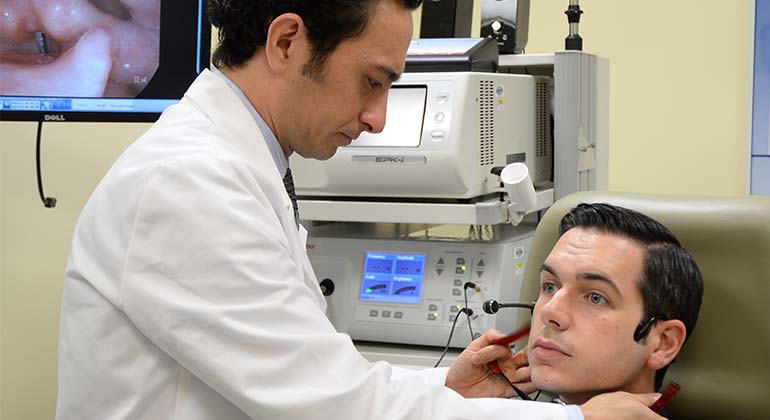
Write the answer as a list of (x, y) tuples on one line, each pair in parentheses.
[(243, 25), (671, 283)]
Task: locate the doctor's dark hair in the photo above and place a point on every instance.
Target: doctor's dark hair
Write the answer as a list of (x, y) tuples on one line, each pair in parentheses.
[(671, 283), (243, 25)]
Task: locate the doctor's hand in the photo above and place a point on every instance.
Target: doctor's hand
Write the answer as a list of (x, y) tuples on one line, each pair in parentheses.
[(470, 376), (620, 406)]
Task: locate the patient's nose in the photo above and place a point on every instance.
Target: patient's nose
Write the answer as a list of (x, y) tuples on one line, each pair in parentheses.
[(555, 312)]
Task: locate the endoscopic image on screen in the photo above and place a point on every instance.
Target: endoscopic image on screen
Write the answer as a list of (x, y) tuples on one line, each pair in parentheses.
[(78, 48)]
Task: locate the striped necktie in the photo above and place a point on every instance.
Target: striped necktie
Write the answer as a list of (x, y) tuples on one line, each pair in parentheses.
[(288, 183)]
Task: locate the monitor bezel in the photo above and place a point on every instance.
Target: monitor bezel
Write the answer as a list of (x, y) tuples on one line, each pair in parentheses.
[(201, 61)]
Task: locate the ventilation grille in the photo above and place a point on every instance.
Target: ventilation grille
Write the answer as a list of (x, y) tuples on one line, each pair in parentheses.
[(486, 123), (542, 117)]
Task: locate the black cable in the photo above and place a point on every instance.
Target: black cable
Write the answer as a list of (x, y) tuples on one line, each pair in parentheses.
[(466, 311), (470, 328), (518, 392), (537, 395), (469, 312), (48, 202)]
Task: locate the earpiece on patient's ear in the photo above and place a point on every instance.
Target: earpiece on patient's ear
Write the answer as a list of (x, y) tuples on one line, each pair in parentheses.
[(644, 327)]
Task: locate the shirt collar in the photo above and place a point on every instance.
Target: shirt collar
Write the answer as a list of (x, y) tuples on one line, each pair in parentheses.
[(272, 142)]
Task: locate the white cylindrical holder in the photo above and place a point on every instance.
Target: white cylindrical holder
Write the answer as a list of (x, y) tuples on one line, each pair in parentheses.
[(518, 185)]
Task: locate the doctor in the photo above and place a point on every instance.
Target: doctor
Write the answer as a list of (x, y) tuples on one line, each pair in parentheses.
[(188, 291)]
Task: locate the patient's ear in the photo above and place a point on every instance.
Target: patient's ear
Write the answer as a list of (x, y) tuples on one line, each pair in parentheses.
[(665, 341)]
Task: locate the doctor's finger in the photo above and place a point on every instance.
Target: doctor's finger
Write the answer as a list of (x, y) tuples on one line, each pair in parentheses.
[(485, 340), (519, 376), (494, 352), (527, 387), (520, 359)]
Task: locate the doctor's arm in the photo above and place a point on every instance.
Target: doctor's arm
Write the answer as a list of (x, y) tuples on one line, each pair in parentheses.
[(211, 279)]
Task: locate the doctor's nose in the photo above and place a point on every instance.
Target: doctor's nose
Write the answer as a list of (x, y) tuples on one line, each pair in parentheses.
[(372, 117)]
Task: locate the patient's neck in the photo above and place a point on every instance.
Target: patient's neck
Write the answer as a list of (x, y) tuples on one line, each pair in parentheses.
[(642, 385)]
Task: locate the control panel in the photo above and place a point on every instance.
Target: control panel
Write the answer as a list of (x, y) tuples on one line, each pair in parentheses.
[(411, 291)]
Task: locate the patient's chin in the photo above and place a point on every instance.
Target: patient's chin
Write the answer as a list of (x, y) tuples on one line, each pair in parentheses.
[(547, 383)]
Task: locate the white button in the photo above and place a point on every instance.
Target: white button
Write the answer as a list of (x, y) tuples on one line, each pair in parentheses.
[(437, 135), (439, 117), (442, 97)]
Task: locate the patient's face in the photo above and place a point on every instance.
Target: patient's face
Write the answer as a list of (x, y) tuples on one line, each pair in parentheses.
[(581, 342)]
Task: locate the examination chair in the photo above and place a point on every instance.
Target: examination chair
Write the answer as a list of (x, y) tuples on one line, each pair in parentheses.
[(724, 368)]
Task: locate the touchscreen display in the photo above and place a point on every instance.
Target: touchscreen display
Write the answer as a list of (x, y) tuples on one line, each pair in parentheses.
[(403, 124), (392, 278)]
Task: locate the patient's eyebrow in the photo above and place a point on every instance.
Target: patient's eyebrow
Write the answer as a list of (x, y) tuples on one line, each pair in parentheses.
[(591, 276), (547, 268), (585, 276)]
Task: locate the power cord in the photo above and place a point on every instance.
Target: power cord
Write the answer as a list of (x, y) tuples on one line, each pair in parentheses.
[(518, 392), (48, 202), (466, 286), (466, 311)]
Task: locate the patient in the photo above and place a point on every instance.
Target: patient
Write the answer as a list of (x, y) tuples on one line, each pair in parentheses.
[(619, 297)]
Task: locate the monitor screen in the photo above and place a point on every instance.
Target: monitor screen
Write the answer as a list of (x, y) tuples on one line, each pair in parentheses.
[(98, 60), (392, 278), (404, 117)]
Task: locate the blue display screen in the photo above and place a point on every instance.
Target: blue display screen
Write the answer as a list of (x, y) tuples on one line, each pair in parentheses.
[(392, 278)]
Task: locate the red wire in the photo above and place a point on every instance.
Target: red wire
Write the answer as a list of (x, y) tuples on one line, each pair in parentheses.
[(666, 396), (507, 340)]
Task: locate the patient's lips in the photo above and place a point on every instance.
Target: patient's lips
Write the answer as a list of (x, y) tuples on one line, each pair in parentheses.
[(132, 48), (544, 349)]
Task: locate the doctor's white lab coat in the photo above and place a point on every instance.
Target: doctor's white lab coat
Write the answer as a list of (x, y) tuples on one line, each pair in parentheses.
[(189, 294)]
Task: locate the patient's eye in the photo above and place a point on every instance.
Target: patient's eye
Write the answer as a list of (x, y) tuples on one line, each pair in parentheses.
[(597, 299), (547, 288)]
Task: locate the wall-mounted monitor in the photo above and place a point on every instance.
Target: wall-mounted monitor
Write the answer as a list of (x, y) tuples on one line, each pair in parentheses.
[(99, 60)]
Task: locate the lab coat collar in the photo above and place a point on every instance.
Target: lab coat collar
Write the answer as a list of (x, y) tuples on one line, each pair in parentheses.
[(237, 131), (237, 128), (281, 162)]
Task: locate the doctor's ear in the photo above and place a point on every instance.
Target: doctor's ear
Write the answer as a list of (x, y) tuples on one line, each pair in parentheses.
[(286, 41), (665, 341)]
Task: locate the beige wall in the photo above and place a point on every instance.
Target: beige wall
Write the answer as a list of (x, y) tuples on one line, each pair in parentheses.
[(679, 85), (679, 108), (36, 241)]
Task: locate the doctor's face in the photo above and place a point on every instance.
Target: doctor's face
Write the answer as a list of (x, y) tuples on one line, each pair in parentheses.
[(581, 342), (350, 94)]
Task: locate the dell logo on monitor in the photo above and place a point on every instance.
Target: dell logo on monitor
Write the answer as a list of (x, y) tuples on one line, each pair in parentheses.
[(54, 117)]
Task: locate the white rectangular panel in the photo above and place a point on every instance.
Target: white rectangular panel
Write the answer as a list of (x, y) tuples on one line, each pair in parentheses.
[(403, 124)]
